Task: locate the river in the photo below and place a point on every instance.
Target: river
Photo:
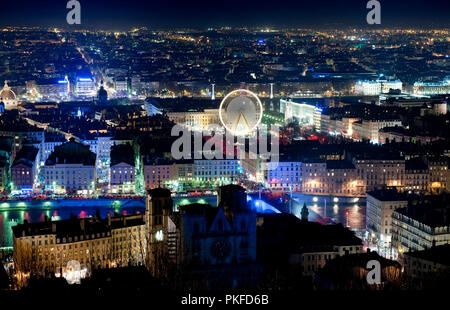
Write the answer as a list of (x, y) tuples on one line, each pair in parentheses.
[(15, 212), (348, 211)]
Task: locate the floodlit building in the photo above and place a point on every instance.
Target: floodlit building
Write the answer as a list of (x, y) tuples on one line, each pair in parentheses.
[(380, 205), (417, 176), (377, 173), (431, 88), (8, 97), (439, 174), (50, 247), (368, 88), (122, 169), (216, 172), (305, 114), (157, 172), (195, 120), (284, 176), (333, 177), (86, 87), (369, 129), (380, 86), (101, 146), (53, 89), (71, 167), (121, 86)]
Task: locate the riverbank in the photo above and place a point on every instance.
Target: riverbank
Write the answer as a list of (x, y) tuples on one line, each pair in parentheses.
[(70, 203)]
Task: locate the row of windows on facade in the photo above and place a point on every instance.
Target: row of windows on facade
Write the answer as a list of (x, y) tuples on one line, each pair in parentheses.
[(86, 237)]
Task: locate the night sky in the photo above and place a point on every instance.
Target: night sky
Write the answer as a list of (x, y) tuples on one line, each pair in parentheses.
[(124, 14)]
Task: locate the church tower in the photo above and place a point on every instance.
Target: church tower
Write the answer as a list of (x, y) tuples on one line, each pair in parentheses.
[(159, 206), (305, 212), (102, 95)]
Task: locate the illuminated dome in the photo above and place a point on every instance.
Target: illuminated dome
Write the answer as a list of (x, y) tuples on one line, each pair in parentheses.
[(8, 97)]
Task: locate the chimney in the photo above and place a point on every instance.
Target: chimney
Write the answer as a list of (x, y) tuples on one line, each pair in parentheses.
[(109, 219), (53, 227), (82, 224)]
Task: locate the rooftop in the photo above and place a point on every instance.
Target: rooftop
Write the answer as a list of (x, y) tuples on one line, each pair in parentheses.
[(431, 210), (26, 155), (387, 195), (76, 226), (340, 164), (122, 153), (438, 254), (71, 153)]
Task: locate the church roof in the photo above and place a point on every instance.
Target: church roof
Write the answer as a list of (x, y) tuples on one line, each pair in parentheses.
[(7, 93)]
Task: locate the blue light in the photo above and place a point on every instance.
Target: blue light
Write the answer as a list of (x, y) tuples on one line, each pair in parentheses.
[(62, 82), (261, 41), (262, 207), (85, 79)]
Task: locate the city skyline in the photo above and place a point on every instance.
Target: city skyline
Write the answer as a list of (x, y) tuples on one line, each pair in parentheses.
[(123, 15), (172, 149)]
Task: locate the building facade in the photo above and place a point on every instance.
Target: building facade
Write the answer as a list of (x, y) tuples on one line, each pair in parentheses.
[(380, 205), (25, 169), (71, 167), (424, 223), (48, 247)]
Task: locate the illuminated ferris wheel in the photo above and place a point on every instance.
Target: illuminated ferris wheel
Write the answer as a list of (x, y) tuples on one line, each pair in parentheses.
[(241, 112)]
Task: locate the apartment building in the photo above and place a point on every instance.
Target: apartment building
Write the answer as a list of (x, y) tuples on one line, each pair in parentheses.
[(48, 247)]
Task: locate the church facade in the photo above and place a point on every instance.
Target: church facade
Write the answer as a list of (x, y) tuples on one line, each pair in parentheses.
[(200, 239)]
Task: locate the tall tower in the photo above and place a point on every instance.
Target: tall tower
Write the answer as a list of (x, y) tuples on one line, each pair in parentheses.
[(305, 213), (271, 90), (213, 95), (159, 206)]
